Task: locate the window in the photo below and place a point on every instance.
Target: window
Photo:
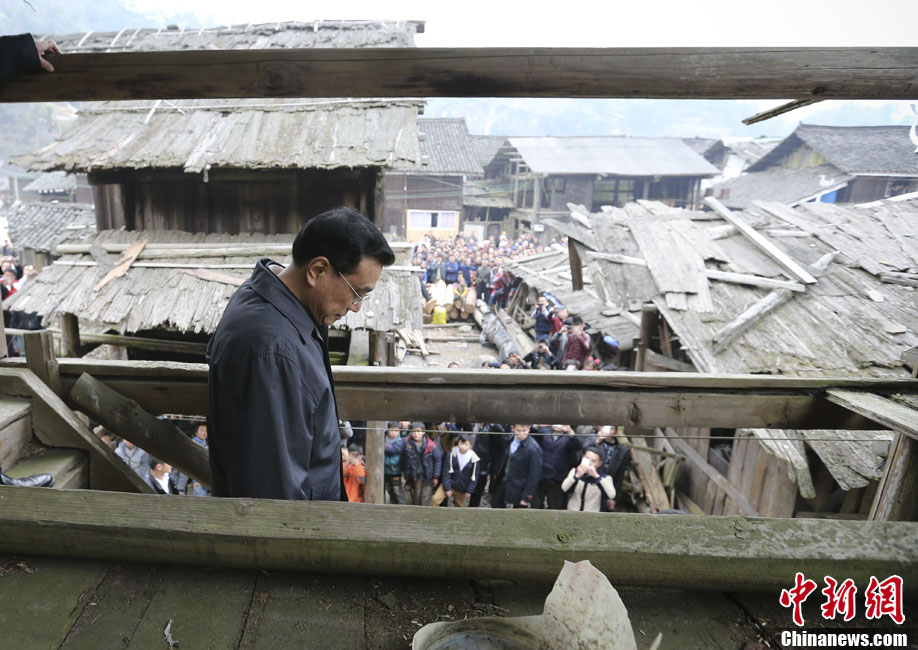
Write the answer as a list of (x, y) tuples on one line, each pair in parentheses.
[(433, 219)]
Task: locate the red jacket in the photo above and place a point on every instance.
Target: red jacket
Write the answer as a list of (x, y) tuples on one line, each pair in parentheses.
[(578, 347)]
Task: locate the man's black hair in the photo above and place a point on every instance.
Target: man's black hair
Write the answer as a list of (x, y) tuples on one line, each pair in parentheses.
[(345, 237), (594, 449), (461, 437), (577, 320), (355, 449), (153, 461), (418, 425)]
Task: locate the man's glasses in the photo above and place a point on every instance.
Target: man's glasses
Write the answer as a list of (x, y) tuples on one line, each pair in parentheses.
[(358, 298)]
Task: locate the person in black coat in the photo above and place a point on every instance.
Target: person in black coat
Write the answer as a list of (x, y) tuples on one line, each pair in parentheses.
[(560, 451), (614, 457), (22, 53), (489, 446), (522, 472)]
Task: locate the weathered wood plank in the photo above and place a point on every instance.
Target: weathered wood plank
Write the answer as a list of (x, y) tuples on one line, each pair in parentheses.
[(48, 598), (764, 244), (754, 280), (128, 419), (207, 608), (124, 263), (70, 335), (897, 494), (39, 349), (113, 611), (711, 73), (719, 479), (661, 361), (721, 553), (881, 410), (749, 318)]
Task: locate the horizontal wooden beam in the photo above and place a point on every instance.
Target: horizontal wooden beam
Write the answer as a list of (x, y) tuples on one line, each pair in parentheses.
[(717, 553), (682, 73)]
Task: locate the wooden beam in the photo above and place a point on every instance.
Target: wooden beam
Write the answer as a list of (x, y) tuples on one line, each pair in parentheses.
[(746, 320), (375, 460), (126, 418), (576, 265), (39, 349), (124, 263), (652, 358), (754, 280), (139, 342), (70, 335), (897, 494), (618, 259), (677, 73), (649, 316), (714, 553), (905, 279), (881, 410), (719, 479), (764, 244)]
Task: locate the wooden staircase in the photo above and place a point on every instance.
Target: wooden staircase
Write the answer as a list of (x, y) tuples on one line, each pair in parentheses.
[(21, 454)]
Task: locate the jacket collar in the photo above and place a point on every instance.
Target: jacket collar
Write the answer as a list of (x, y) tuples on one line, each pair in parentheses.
[(271, 288)]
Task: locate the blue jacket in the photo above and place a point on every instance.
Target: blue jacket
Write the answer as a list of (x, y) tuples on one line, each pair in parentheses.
[(559, 454), (465, 271), (464, 480), (524, 469), (393, 460), (451, 273), (423, 461)]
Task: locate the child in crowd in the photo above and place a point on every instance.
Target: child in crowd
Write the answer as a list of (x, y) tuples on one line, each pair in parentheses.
[(355, 473), (392, 476), (461, 478)]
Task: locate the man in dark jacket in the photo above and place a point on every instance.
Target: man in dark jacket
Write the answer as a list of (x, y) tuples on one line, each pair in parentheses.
[(522, 473), (271, 415), (614, 457), (421, 464), (542, 316), (560, 451)]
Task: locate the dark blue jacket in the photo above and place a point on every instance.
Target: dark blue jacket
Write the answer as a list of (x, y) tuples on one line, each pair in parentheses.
[(614, 461), (524, 469), (424, 461), (465, 480), (271, 414), (451, 273), (542, 320), (18, 54), (464, 269), (559, 454)]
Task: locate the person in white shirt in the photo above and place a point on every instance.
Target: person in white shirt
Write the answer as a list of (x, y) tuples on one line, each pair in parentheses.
[(586, 487)]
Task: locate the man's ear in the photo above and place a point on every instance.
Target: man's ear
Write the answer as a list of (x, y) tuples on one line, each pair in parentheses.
[(315, 268)]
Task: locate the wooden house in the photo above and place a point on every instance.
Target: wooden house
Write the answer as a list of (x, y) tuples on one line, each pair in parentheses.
[(191, 171), (733, 156), (758, 292), (102, 569), (239, 165), (487, 203), (548, 173), (61, 186), (36, 228), (426, 197), (828, 164)]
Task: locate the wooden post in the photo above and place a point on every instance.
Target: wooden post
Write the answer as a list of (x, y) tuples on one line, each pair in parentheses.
[(648, 325), (377, 353), (391, 355), (375, 456), (39, 349), (897, 494), (576, 266), (70, 336), (4, 352)]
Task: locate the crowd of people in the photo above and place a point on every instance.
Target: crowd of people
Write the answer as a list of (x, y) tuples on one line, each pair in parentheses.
[(13, 275), (502, 466), (465, 262)]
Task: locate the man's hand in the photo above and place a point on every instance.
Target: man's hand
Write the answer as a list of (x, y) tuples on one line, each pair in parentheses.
[(524, 503), (468, 495), (449, 493), (611, 504), (44, 47), (436, 482), (581, 469), (592, 471)]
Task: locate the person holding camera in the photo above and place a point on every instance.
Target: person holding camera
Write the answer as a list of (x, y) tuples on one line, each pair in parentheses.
[(542, 316), (540, 355)]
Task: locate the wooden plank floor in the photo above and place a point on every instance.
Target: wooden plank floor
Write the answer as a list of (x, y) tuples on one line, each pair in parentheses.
[(66, 604)]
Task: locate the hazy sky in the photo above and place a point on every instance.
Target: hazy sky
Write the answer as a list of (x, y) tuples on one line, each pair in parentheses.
[(612, 23)]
